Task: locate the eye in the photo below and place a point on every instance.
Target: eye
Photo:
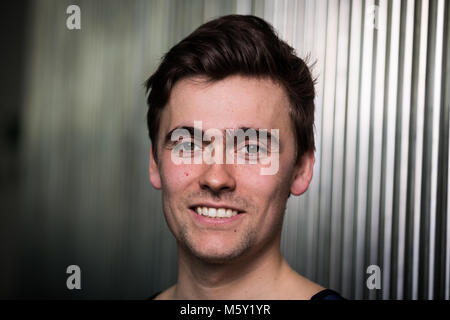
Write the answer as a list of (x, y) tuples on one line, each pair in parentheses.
[(187, 146), (251, 148)]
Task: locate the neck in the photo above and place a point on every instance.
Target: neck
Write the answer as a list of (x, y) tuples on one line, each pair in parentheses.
[(249, 277)]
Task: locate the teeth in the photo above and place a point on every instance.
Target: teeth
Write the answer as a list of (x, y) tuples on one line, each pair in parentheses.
[(221, 212), (216, 213), (212, 212)]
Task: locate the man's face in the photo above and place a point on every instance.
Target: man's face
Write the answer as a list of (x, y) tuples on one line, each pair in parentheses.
[(260, 200)]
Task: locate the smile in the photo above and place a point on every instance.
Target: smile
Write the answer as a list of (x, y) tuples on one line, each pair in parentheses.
[(215, 212)]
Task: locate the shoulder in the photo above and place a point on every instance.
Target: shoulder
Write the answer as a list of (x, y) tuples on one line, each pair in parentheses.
[(163, 295), (327, 294), (311, 288), (154, 295), (297, 287), (315, 291)]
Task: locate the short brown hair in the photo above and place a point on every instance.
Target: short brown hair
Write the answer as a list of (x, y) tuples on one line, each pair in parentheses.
[(236, 45)]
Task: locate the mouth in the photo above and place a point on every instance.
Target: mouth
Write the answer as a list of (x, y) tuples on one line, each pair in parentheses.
[(216, 212)]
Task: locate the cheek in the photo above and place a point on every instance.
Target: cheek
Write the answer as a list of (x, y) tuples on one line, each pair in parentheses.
[(176, 177), (252, 182)]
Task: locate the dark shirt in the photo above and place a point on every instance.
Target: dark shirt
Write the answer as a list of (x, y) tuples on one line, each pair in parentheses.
[(326, 294)]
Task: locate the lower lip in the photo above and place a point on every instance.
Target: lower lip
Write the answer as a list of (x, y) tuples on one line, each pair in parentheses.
[(215, 221)]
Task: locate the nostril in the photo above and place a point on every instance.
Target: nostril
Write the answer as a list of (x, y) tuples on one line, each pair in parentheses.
[(216, 188), (217, 178)]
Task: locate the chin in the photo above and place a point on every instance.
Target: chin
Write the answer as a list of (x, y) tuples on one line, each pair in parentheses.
[(216, 257), (217, 252)]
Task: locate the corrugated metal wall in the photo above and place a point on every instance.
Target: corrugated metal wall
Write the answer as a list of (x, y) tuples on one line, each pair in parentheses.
[(381, 187), (380, 190)]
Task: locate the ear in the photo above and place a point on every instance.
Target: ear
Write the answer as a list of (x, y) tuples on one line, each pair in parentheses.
[(153, 170), (303, 174)]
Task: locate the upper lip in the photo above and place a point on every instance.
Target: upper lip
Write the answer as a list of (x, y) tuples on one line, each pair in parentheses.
[(217, 206)]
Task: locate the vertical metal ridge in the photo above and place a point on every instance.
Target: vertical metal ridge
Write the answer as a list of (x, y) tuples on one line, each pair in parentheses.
[(319, 48), (404, 148), (419, 146), (327, 140), (309, 42), (337, 196), (390, 144), (363, 153), (351, 147), (426, 243), (376, 136), (446, 95), (435, 138)]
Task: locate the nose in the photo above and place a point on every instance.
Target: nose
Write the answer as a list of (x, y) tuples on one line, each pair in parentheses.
[(217, 178)]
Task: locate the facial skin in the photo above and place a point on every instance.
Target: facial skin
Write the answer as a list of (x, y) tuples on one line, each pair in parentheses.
[(234, 102), (231, 103)]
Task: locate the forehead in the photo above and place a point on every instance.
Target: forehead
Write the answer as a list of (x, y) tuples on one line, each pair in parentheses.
[(229, 103)]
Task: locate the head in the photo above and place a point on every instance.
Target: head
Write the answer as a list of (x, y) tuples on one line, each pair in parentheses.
[(230, 73)]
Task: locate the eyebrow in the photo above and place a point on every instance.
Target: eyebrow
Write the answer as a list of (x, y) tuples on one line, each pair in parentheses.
[(258, 131), (193, 131)]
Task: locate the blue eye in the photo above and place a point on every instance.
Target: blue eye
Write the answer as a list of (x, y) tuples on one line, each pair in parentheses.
[(187, 146), (252, 148)]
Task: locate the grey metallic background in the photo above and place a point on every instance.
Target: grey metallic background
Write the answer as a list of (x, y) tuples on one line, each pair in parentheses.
[(75, 188)]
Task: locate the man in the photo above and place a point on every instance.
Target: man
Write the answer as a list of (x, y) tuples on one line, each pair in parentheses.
[(232, 74)]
